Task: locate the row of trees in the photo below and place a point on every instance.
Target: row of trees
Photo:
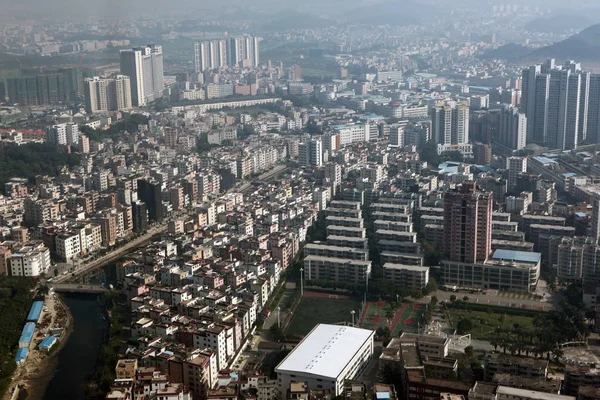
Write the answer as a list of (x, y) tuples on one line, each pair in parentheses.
[(572, 322), (107, 361), (542, 340)]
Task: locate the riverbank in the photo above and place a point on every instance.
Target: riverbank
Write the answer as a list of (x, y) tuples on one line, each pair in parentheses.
[(76, 363), (116, 314), (36, 373)]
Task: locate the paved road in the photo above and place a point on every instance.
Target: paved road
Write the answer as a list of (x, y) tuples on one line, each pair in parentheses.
[(98, 262), (290, 288), (266, 176)]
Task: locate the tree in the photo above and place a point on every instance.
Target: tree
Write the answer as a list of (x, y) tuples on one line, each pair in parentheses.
[(383, 332), (464, 326), (431, 257), (453, 156), (466, 299), (277, 333), (502, 318), (431, 287), (469, 351), (430, 154), (453, 298)]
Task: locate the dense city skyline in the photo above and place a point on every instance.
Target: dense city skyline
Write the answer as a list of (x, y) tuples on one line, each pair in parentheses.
[(276, 200)]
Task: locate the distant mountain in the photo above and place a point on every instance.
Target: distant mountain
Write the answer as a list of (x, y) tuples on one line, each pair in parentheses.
[(391, 13), (288, 19), (560, 23), (584, 46), (510, 52)]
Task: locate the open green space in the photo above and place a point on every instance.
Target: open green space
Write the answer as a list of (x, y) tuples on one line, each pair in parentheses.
[(404, 319), (312, 311), (486, 323)]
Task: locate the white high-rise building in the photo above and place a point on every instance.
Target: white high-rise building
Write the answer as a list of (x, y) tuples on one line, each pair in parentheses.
[(122, 86), (311, 153), (210, 55), (102, 95), (243, 48), (450, 123), (556, 100), (513, 128), (397, 135), (63, 134), (144, 67), (316, 153)]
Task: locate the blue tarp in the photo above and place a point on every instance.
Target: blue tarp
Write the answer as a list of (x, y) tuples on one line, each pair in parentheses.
[(21, 355), (47, 343), (27, 334), (35, 311)]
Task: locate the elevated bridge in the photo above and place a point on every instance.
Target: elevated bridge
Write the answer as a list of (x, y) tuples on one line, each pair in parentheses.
[(75, 288)]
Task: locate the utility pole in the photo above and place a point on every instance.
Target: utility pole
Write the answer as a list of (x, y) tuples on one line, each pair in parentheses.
[(301, 282), (278, 323), (352, 312)]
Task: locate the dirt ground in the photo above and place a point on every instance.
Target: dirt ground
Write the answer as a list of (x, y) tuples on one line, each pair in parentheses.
[(38, 368)]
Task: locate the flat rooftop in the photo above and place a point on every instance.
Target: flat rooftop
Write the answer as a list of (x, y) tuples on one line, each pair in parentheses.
[(525, 257), (323, 246), (325, 351), (530, 394), (335, 260), (405, 267)]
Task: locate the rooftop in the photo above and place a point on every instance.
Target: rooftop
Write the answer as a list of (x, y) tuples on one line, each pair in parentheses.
[(526, 257), (405, 267), (325, 351), (529, 394)]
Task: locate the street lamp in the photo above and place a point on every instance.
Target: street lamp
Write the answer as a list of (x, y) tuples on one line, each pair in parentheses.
[(278, 323), (352, 312), (301, 282)]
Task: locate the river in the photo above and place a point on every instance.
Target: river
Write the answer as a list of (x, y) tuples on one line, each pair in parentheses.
[(77, 359)]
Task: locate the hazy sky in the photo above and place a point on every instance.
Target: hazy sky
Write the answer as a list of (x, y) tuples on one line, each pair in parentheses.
[(134, 8)]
